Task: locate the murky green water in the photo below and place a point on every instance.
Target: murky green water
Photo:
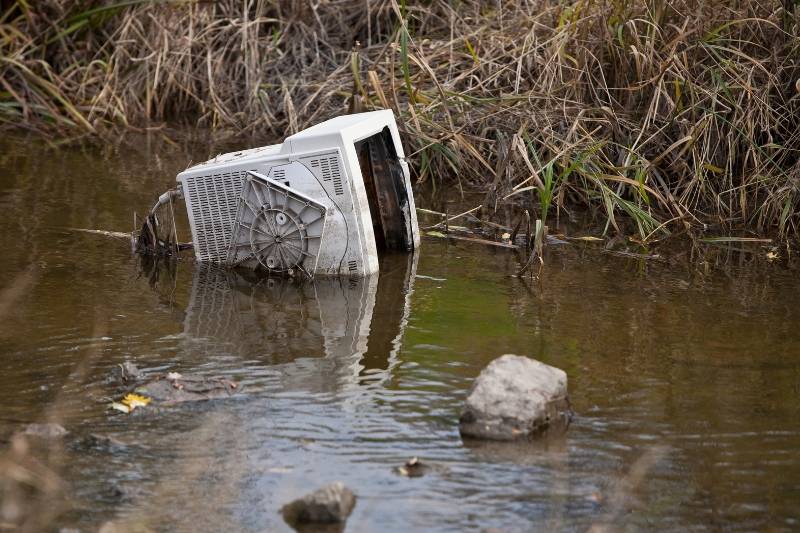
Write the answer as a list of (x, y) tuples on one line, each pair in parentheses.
[(685, 376)]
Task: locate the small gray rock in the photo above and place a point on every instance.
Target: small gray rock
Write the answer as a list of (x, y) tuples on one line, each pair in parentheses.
[(46, 431), (104, 442), (125, 372), (130, 371), (516, 397), (413, 468), (331, 504)]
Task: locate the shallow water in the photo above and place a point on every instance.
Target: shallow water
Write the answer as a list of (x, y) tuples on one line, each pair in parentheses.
[(684, 376)]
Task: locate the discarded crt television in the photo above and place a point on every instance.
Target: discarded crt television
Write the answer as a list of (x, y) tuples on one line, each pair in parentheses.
[(325, 201)]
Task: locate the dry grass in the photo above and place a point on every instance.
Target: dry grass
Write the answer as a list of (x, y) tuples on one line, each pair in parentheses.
[(673, 114)]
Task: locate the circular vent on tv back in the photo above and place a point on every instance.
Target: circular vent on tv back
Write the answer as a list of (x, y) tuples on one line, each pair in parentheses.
[(276, 227)]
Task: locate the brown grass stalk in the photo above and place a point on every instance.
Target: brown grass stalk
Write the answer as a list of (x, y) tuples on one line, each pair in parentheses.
[(659, 113)]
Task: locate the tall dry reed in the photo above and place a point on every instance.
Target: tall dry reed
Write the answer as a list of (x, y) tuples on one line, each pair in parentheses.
[(672, 114)]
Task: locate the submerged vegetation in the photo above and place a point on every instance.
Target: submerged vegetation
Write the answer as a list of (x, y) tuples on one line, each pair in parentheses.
[(673, 115)]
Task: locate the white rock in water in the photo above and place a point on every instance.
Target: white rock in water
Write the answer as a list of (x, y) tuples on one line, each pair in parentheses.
[(331, 504), (515, 397)]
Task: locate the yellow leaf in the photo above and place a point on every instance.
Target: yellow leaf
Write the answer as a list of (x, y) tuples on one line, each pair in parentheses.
[(134, 400)]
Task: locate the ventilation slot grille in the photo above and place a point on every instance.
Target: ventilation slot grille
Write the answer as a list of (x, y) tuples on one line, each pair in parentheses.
[(328, 169), (214, 200), (279, 174)]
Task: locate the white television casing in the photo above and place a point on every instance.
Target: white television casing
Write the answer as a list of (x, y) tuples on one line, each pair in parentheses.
[(349, 212)]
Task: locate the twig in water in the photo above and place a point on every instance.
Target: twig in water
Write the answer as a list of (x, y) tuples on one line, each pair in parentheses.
[(446, 219), (527, 230), (538, 247), (478, 241)]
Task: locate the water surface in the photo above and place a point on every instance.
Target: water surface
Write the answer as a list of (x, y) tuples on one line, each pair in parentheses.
[(684, 375)]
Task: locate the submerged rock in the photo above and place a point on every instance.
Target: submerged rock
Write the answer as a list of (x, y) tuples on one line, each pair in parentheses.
[(45, 431), (125, 373), (175, 388), (97, 441), (329, 505), (516, 397), (412, 468)]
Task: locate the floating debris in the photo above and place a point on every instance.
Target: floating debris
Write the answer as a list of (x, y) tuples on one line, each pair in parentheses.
[(120, 407), (167, 389), (422, 276), (174, 388), (130, 402), (113, 234)]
